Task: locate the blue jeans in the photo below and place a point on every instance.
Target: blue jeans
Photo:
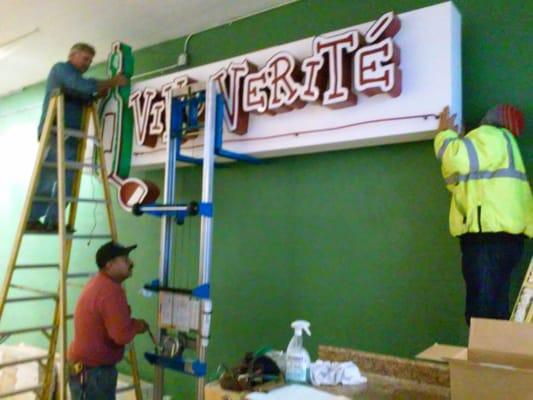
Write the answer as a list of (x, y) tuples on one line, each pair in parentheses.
[(487, 261), (47, 183), (100, 384)]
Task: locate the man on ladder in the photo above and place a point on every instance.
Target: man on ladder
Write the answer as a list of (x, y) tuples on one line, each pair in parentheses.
[(79, 91), (65, 85)]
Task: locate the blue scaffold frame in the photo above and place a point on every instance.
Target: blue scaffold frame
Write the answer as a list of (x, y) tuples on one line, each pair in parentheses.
[(219, 140), (184, 118), (192, 367)]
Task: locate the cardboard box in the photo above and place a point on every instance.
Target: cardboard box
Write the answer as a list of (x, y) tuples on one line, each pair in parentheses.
[(498, 363)]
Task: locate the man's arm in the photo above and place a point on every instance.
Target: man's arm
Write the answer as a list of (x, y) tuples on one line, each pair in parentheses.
[(72, 83), (449, 147), (105, 85), (119, 325)]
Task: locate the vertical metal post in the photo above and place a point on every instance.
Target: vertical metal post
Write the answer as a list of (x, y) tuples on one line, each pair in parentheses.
[(62, 247), (206, 224), (167, 233)]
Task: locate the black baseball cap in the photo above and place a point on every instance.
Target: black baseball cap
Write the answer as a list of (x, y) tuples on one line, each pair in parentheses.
[(111, 250)]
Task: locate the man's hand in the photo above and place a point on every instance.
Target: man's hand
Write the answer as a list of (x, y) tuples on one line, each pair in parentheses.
[(102, 93), (143, 325), (446, 121), (116, 81), (119, 80)]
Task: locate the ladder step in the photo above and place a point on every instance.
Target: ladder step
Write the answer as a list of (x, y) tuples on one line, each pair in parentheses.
[(97, 236), (23, 361), (71, 165), (26, 330), (31, 329), (81, 135), (20, 391), (43, 199), (35, 266), (70, 236), (31, 289), (86, 200), (31, 298), (49, 232), (125, 388)]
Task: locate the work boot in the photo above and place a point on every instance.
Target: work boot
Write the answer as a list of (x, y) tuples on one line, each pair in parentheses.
[(36, 227), (54, 227)]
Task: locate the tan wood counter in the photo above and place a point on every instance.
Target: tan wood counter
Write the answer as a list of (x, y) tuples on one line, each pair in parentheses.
[(390, 377)]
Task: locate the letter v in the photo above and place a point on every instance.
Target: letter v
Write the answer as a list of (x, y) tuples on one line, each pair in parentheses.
[(141, 113)]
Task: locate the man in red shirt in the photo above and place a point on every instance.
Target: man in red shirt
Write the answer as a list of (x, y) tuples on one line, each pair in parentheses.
[(102, 326)]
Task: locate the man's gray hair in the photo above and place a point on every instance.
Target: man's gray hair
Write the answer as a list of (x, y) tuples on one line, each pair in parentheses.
[(85, 47)]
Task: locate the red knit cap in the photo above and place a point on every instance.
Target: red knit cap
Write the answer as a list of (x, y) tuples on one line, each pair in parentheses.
[(505, 116)]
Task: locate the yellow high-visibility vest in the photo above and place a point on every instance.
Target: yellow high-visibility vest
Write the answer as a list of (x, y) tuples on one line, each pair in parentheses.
[(485, 173)]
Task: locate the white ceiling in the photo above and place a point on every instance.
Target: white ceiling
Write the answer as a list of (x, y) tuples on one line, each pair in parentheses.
[(34, 34)]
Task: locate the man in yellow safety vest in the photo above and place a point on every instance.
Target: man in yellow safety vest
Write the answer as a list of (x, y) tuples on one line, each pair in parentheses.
[(491, 210)]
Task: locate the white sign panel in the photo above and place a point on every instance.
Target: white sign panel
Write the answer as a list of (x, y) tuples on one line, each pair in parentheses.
[(381, 82)]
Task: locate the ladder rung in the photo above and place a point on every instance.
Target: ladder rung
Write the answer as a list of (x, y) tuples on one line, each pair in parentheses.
[(31, 329), (75, 275), (71, 165), (31, 289), (20, 391), (125, 388), (97, 236), (48, 233), (68, 236), (23, 361), (68, 199), (26, 330), (31, 298), (34, 266), (85, 200), (81, 135)]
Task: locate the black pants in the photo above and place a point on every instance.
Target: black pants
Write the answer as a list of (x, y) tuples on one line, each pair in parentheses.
[(487, 261)]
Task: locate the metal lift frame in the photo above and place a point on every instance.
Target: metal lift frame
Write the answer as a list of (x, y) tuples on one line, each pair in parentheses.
[(185, 103), (168, 212)]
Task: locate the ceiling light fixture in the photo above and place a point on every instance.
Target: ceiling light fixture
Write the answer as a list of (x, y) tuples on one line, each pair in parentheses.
[(6, 47)]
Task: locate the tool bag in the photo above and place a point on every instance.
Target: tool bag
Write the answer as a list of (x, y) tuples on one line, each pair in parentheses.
[(250, 372)]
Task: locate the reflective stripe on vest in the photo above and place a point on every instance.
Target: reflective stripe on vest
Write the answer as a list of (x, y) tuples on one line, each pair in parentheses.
[(443, 147), (474, 174), (499, 173), (472, 155), (509, 150)]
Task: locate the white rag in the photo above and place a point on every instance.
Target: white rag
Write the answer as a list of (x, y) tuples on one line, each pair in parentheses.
[(335, 373)]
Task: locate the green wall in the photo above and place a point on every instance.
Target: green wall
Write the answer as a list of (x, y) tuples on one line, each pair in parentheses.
[(354, 241)]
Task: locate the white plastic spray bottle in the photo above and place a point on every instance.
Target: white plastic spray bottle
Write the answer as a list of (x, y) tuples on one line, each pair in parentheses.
[(298, 359)]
